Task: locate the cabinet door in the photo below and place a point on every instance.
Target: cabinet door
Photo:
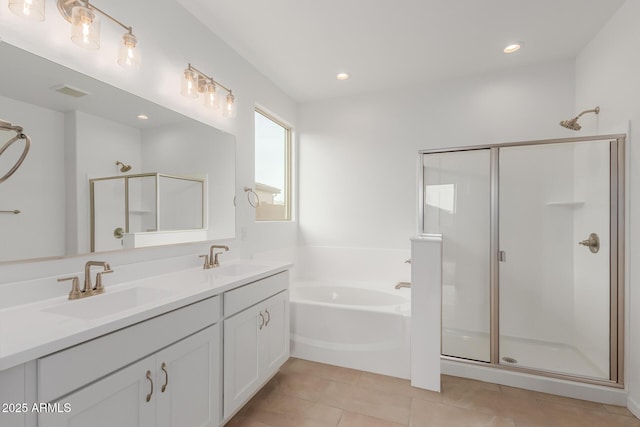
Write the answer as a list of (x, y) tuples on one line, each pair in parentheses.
[(188, 378), (241, 361), (274, 339), (119, 399), (12, 393)]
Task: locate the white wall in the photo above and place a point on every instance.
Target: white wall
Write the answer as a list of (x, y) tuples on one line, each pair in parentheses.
[(31, 196), (607, 73), (352, 150), (169, 38), (213, 156)]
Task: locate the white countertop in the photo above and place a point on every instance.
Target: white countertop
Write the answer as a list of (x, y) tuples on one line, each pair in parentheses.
[(30, 331)]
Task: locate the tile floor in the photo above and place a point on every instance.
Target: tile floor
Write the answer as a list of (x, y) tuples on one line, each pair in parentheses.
[(309, 394)]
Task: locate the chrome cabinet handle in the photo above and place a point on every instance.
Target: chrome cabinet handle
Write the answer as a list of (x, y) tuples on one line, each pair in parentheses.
[(151, 381), (268, 318), (166, 377), (262, 321)]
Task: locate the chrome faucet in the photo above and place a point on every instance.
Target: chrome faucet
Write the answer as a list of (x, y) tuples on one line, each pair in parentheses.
[(88, 288), (211, 260)]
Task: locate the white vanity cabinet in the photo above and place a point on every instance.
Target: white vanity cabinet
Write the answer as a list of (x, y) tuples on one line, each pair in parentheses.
[(256, 338), (178, 385)]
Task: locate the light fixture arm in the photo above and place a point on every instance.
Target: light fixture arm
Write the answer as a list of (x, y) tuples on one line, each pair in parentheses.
[(66, 6), (206, 77)]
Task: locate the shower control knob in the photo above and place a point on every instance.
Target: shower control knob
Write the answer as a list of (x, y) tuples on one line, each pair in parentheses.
[(593, 243)]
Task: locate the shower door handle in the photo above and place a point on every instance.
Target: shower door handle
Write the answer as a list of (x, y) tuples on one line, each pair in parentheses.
[(593, 243), (502, 256)]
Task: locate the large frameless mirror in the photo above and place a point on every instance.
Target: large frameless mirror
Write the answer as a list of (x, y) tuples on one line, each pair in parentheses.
[(82, 129)]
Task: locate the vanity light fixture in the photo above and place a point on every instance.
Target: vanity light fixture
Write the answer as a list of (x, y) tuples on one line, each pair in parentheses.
[(85, 25), (30, 9), (195, 82), (85, 30)]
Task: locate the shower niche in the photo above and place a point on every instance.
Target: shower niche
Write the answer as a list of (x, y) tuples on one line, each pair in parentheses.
[(147, 209), (533, 254)]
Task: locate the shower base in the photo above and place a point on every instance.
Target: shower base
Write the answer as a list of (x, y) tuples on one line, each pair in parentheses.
[(527, 353)]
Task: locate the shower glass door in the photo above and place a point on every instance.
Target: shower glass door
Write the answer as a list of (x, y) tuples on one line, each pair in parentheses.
[(456, 203), (554, 259)]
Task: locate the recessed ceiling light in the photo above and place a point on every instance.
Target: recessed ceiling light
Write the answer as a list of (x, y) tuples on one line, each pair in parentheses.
[(142, 117), (514, 47), (342, 76)]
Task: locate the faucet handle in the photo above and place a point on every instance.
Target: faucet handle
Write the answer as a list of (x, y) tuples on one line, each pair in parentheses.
[(206, 265), (75, 286), (99, 289), (215, 262)]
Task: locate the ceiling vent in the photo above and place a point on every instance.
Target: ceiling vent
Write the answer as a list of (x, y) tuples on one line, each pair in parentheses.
[(70, 91)]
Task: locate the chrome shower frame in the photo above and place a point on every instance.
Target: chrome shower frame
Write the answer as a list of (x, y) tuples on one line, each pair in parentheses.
[(617, 217)]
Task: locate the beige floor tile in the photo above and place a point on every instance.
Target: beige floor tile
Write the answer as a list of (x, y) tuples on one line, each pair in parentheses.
[(396, 386), (279, 419), (497, 403), (301, 385), (336, 394), (303, 394), (306, 409), (244, 421), (619, 410), (350, 419), (432, 414), (379, 404), (335, 373), (519, 392), (574, 416)]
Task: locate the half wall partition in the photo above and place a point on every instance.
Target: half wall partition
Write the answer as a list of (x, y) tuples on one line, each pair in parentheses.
[(533, 254)]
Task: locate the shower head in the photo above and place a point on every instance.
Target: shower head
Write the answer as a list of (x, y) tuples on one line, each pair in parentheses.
[(123, 167), (573, 123)]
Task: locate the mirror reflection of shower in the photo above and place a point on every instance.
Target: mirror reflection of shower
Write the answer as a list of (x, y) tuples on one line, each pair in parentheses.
[(573, 123), (4, 125), (123, 167)]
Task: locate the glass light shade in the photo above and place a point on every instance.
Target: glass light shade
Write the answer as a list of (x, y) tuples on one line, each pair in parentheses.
[(30, 9), (229, 106), (128, 55), (211, 96), (85, 28), (190, 84)]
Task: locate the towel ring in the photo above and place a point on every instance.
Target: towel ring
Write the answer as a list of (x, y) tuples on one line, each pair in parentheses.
[(249, 192), (19, 135)]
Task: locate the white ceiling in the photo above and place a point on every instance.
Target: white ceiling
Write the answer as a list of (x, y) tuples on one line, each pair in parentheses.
[(302, 44)]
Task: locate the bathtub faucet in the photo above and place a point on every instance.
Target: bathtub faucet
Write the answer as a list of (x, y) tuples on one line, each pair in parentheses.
[(403, 285)]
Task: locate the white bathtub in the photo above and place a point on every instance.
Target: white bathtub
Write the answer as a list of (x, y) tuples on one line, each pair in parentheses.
[(355, 325)]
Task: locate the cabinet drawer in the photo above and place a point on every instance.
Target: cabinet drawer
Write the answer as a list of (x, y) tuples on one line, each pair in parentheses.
[(248, 295), (67, 370)]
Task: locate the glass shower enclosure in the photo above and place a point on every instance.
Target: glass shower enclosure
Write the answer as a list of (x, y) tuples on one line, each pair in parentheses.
[(144, 203), (532, 254)]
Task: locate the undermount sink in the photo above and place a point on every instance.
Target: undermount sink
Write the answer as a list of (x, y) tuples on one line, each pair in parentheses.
[(108, 303), (237, 269)]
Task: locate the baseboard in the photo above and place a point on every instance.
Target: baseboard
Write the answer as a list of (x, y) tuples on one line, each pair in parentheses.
[(633, 406)]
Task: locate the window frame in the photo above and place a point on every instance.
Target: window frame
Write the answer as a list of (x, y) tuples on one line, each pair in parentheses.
[(288, 165)]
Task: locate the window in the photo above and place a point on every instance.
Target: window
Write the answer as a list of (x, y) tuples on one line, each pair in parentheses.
[(273, 169)]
